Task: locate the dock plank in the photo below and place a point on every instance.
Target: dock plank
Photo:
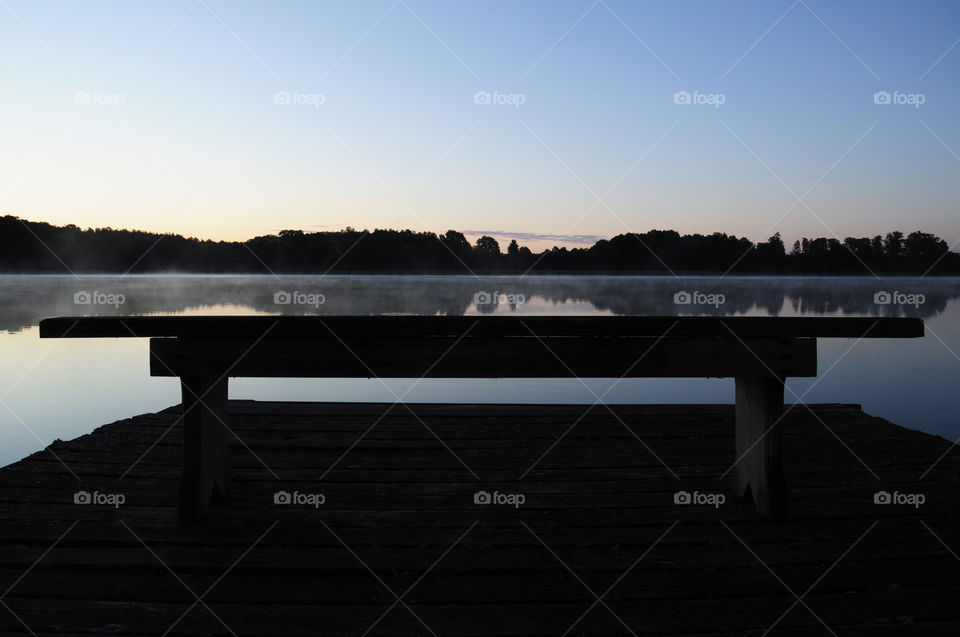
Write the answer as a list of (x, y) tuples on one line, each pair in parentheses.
[(399, 514)]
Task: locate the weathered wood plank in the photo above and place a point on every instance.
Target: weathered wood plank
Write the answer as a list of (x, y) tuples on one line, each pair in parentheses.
[(758, 472), (447, 357), (455, 326), (205, 474), (845, 613)]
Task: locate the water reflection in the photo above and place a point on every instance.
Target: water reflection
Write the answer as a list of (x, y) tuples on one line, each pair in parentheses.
[(27, 299)]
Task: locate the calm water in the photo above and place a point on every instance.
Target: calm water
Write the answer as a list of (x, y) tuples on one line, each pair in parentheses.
[(63, 388)]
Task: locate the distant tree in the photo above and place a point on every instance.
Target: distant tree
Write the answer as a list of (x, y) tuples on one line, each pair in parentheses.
[(770, 256), (457, 250), (923, 250), (924, 244), (861, 252), (487, 246), (513, 249), (893, 244), (456, 240), (776, 244)]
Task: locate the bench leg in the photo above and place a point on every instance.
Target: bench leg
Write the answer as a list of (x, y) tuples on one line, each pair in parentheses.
[(206, 465), (759, 447)]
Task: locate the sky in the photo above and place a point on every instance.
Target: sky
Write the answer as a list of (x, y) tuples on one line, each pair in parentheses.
[(556, 122)]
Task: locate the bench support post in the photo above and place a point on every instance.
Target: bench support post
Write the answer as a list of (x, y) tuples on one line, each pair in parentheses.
[(759, 446), (206, 465)]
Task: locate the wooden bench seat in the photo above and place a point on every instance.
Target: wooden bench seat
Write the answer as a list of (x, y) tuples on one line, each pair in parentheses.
[(759, 352)]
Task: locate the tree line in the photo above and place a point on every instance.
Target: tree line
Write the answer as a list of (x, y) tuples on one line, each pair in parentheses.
[(38, 247)]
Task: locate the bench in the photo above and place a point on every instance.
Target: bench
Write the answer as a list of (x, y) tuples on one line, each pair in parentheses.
[(759, 352)]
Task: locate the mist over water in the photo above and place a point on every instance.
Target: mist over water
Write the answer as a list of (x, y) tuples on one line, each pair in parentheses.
[(64, 388), (29, 298)]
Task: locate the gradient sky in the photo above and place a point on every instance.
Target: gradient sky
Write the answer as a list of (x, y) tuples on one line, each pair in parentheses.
[(163, 116)]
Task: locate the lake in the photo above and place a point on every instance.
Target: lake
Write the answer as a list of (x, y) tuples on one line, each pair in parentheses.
[(64, 388)]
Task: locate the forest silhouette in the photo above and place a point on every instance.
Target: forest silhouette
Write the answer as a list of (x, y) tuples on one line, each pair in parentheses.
[(38, 247)]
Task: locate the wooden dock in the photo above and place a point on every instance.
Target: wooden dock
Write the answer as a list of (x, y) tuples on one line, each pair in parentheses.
[(399, 546)]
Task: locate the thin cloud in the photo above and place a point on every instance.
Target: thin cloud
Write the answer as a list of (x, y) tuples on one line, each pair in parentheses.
[(583, 239), (521, 237)]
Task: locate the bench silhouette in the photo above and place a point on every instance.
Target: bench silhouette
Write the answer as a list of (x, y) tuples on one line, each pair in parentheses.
[(759, 352)]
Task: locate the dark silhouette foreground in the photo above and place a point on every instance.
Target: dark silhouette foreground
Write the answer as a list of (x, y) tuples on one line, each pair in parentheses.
[(204, 351), (404, 505)]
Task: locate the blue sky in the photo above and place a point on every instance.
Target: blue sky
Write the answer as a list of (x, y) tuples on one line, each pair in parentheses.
[(173, 117)]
